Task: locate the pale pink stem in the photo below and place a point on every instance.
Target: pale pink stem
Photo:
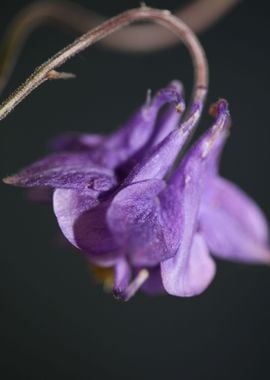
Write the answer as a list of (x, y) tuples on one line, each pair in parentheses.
[(137, 38), (47, 70)]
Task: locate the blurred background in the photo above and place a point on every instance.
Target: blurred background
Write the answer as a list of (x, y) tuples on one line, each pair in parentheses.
[(55, 321)]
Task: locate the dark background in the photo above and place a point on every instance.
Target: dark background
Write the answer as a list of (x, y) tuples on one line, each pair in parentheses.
[(55, 322)]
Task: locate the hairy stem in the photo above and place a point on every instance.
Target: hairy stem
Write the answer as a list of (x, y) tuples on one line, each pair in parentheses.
[(164, 18), (198, 15), (137, 39)]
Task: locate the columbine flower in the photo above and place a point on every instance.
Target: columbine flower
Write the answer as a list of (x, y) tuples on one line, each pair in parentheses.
[(119, 200)]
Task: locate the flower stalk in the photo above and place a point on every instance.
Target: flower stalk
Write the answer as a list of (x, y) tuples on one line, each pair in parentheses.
[(198, 15), (164, 18)]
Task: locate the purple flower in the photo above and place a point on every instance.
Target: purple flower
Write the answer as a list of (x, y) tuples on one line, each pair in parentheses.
[(128, 203)]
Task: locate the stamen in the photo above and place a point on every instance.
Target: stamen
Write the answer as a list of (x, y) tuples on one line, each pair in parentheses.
[(134, 286)]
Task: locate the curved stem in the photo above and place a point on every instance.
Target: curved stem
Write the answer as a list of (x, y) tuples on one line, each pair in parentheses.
[(164, 18), (137, 39), (198, 15)]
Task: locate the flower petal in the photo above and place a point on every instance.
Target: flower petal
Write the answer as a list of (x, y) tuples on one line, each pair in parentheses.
[(65, 170), (123, 144), (161, 158), (135, 221), (189, 180), (82, 220), (233, 225), (73, 141), (167, 121), (190, 271), (187, 184), (150, 223), (68, 206)]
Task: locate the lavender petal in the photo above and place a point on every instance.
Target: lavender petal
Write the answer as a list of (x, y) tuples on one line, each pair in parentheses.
[(65, 170), (233, 225), (82, 220), (190, 271)]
